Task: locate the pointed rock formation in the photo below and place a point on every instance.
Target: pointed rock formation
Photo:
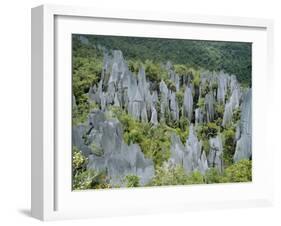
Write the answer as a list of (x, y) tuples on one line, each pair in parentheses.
[(222, 87), (153, 119), (199, 116), (188, 103), (174, 107), (227, 115), (193, 149), (215, 157), (209, 105), (107, 151), (244, 144)]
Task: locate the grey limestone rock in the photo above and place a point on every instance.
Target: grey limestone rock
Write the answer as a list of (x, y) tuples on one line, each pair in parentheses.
[(193, 149), (227, 115), (78, 138), (215, 157), (74, 105), (188, 103), (144, 114), (110, 154), (177, 150), (154, 119), (199, 116), (188, 156), (203, 163), (209, 105), (174, 107), (222, 87), (116, 100), (244, 144)]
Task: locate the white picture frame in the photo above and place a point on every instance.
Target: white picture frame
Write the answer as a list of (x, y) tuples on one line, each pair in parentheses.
[(52, 197)]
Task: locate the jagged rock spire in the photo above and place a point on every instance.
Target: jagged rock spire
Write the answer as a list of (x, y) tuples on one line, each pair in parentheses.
[(188, 103), (244, 144)]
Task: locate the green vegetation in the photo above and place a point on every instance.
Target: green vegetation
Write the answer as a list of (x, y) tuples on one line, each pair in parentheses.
[(188, 57), (85, 179), (229, 145), (154, 141), (232, 57), (237, 172), (86, 71), (132, 181), (175, 175)]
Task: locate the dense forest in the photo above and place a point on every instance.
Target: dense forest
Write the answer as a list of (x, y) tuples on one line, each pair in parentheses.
[(151, 112), (231, 57)]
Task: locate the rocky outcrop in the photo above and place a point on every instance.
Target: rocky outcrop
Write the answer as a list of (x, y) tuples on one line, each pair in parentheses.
[(102, 141), (210, 108), (244, 144), (215, 157), (218, 98), (190, 157), (188, 103)]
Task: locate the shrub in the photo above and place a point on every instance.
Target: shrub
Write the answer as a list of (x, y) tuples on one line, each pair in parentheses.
[(213, 175), (85, 178), (175, 175), (180, 69), (219, 109), (153, 140), (179, 97), (201, 102), (208, 130), (196, 79), (171, 85), (229, 145), (169, 175), (239, 172), (89, 179), (78, 160), (132, 181)]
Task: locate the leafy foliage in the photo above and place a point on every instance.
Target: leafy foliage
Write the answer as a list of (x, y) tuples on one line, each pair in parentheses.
[(154, 141), (175, 175), (132, 181), (189, 57), (86, 72), (83, 178), (229, 145), (232, 57), (239, 172)]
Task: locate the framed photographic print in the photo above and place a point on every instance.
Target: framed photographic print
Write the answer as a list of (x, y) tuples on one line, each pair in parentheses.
[(135, 113)]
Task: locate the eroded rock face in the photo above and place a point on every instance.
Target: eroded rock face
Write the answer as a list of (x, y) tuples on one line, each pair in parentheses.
[(78, 134), (174, 107), (189, 156), (203, 163), (100, 138), (154, 119), (222, 87), (102, 141), (216, 153), (193, 148), (164, 102), (188, 103), (209, 104), (199, 116), (177, 150), (244, 144), (74, 105), (227, 115)]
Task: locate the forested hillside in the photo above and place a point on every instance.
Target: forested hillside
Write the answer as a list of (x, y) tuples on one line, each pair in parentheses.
[(232, 57), (151, 112)]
